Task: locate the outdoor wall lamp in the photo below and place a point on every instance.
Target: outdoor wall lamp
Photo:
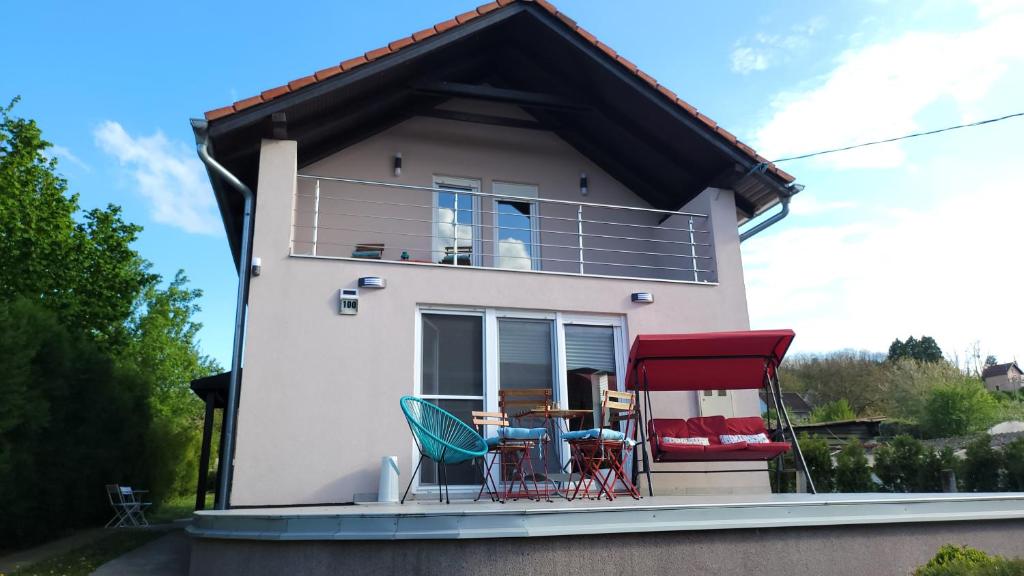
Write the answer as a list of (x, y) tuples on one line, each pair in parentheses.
[(584, 190), (257, 266), (398, 164), (642, 297), (372, 282)]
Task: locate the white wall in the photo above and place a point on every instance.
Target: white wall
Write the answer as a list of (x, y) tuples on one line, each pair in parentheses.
[(319, 397)]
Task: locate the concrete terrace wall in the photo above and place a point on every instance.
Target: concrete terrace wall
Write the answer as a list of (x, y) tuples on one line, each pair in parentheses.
[(319, 396), (887, 549)]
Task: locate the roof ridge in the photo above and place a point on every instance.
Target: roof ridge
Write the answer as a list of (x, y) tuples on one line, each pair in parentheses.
[(442, 27)]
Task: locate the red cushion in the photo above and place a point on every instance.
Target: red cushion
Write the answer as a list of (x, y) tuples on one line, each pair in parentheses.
[(727, 447), (694, 449), (710, 427), (769, 450), (674, 427), (747, 425)]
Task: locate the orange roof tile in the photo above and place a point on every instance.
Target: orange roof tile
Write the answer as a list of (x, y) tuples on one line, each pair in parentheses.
[(442, 27)]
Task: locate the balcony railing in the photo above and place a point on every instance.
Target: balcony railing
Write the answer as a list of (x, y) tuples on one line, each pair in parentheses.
[(461, 226)]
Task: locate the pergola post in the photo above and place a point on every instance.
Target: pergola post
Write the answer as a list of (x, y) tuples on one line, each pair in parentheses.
[(204, 453)]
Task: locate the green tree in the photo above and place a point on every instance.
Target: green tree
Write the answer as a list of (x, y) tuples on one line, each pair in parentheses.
[(981, 465), (163, 345), (87, 272), (958, 408), (819, 462), (834, 411), (857, 377), (923, 350), (852, 471), (95, 356), (898, 464)]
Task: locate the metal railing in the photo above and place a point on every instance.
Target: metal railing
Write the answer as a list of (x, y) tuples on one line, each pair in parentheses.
[(347, 217)]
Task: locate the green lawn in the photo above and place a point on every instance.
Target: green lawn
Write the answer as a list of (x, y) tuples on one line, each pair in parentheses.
[(83, 560)]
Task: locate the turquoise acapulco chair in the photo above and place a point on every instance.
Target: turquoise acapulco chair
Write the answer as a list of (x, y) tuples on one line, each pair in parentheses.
[(441, 437)]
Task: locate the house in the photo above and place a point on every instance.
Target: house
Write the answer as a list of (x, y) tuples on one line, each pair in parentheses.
[(798, 408), (489, 203), (1003, 377), (498, 201)]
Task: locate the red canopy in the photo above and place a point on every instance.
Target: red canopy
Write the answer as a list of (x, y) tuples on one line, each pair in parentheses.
[(708, 361)]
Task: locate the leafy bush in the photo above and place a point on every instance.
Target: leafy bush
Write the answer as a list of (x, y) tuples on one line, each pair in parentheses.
[(819, 462), (958, 408), (981, 466), (834, 411), (69, 423), (966, 561), (1013, 461), (898, 464), (932, 466), (852, 471)]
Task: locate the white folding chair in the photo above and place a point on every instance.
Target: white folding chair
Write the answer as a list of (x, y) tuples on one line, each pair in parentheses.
[(128, 506)]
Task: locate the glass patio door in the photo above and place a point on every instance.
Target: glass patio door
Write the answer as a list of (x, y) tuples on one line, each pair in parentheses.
[(452, 377)]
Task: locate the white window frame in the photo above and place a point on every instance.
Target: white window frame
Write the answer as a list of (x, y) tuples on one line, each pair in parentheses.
[(471, 186), (535, 258), (491, 362)]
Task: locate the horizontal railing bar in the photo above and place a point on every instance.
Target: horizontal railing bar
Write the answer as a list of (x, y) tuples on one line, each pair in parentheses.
[(481, 211), (539, 244), (538, 258), (489, 195), (585, 235)]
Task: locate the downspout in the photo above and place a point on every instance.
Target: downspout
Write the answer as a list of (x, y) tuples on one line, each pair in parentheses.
[(245, 256), (784, 198)]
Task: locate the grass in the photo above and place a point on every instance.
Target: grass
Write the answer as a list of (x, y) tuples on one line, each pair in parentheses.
[(85, 559), (175, 509)]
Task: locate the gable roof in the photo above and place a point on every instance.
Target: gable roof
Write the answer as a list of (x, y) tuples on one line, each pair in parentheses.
[(397, 45), (793, 401), (600, 103), (999, 369)]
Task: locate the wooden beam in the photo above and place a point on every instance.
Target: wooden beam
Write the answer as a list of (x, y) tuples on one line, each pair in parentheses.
[(483, 119), (506, 95)]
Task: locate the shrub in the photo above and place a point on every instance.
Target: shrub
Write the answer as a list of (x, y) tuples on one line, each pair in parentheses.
[(966, 561), (958, 408), (981, 466), (819, 462), (69, 422), (898, 464), (1013, 460), (929, 477), (852, 471), (834, 411)]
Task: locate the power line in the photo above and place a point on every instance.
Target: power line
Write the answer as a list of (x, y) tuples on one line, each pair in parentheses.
[(905, 137)]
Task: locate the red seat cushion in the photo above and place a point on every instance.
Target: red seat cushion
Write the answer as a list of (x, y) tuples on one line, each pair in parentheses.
[(746, 425), (710, 427), (674, 427), (769, 450)]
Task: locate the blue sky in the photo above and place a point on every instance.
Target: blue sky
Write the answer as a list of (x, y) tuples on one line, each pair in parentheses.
[(921, 237)]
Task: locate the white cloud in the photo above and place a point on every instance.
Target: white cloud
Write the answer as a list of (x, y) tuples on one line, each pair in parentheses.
[(809, 205), (878, 90), (952, 272), (766, 50), (167, 173), (512, 254), (63, 153)]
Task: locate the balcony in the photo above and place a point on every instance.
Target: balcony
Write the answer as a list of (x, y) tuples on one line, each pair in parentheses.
[(453, 223)]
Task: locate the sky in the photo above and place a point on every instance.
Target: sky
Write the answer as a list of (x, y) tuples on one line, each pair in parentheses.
[(921, 237)]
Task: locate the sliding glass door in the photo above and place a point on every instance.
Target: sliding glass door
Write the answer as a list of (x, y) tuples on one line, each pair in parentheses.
[(452, 376)]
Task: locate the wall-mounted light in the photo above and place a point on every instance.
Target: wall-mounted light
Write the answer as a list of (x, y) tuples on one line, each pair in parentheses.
[(642, 297), (372, 282), (257, 266), (584, 190), (398, 164)]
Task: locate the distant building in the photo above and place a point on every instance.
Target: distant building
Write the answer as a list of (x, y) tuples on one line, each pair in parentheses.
[(1003, 377), (797, 407)]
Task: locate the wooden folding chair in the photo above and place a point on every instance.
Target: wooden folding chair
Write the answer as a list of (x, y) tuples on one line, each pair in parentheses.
[(618, 408), (497, 450), (517, 405)]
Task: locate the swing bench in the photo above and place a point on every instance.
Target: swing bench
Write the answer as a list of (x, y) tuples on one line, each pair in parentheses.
[(712, 361)]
